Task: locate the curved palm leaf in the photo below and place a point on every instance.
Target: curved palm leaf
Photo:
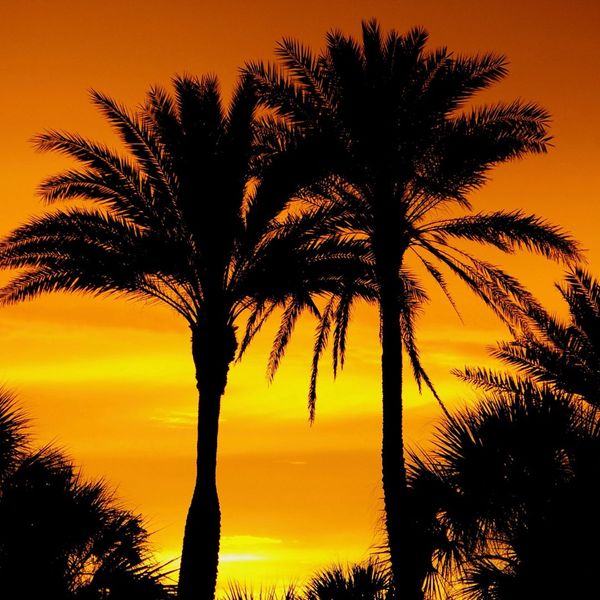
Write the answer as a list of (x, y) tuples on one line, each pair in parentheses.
[(564, 355)]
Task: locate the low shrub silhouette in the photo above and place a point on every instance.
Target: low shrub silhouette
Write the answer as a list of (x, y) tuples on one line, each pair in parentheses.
[(63, 537)]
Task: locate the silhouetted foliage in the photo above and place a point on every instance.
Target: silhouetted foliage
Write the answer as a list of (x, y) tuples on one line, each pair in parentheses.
[(398, 150), (508, 497), (368, 581), (240, 592), (565, 356), (63, 537)]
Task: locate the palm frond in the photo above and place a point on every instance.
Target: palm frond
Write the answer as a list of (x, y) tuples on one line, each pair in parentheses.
[(256, 320), (490, 381), (145, 147), (115, 171), (509, 231), (299, 62), (286, 326), (341, 320), (321, 338)]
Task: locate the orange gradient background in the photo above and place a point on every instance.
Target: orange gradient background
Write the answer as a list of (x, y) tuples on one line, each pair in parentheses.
[(111, 381)]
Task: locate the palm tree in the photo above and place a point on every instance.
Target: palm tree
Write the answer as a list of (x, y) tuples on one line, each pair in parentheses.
[(61, 536), (368, 581), (189, 219), (401, 150), (563, 355), (510, 489)]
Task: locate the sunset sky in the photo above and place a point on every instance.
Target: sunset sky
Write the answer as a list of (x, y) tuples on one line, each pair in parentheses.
[(111, 381)]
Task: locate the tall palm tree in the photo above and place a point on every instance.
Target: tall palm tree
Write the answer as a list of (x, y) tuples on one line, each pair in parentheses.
[(187, 217), (509, 491), (565, 355), (61, 536), (401, 151)]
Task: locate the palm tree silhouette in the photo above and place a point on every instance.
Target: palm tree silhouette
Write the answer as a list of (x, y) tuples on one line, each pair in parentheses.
[(368, 581), (402, 150), (508, 497), (189, 218), (563, 355), (61, 536)]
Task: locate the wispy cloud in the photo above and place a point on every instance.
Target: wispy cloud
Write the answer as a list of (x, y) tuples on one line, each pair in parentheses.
[(237, 541), (178, 418), (246, 548), (228, 558)]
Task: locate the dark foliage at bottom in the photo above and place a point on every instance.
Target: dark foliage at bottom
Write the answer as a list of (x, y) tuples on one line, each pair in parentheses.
[(61, 537)]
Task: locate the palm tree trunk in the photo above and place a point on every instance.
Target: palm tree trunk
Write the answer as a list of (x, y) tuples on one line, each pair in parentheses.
[(398, 521), (212, 350)]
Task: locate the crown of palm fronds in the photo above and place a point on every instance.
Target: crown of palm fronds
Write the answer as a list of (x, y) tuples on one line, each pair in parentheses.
[(369, 581), (393, 145), (195, 214), (505, 491)]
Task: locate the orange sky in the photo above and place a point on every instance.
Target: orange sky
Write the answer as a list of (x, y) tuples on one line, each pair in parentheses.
[(112, 381)]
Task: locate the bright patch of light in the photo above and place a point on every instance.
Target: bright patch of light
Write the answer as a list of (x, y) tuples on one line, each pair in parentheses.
[(229, 558)]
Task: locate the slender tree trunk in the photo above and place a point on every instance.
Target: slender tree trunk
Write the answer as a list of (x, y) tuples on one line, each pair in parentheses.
[(392, 445), (393, 470), (213, 350), (389, 248), (398, 519)]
